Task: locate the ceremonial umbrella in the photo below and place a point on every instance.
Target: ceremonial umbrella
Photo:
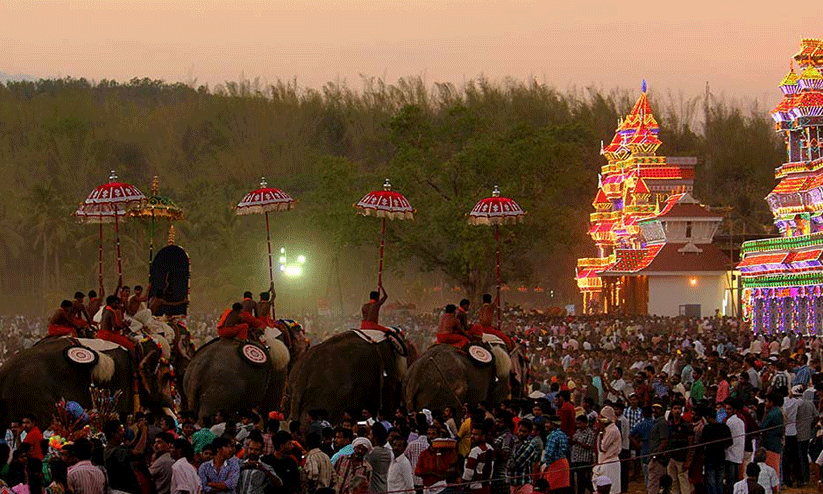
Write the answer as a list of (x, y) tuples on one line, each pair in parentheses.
[(263, 200), (156, 206), (387, 205), (106, 204), (496, 210)]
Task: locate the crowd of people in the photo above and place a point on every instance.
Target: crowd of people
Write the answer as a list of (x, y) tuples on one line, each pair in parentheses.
[(683, 405)]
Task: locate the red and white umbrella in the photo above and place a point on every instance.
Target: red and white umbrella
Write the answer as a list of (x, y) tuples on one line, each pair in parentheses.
[(387, 205), (106, 204), (496, 210), (264, 200)]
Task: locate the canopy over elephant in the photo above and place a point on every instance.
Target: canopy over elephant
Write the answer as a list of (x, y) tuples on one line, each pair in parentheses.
[(33, 380), (363, 369), (445, 376), (230, 374)]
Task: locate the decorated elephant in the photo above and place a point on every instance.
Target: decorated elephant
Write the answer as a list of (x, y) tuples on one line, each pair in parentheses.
[(355, 368), (448, 376), (230, 374), (33, 380)]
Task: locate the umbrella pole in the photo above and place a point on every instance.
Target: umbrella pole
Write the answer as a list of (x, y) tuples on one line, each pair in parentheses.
[(497, 240), (380, 265), (117, 243), (151, 242), (100, 257), (268, 241)]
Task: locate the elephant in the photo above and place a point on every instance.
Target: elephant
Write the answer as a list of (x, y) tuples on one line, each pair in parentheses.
[(219, 377), (346, 371), (34, 379), (445, 376)]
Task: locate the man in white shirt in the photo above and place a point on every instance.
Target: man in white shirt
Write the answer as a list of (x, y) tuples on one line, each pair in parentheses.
[(734, 453), (768, 477), (184, 477), (791, 464), (400, 471), (616, 387)]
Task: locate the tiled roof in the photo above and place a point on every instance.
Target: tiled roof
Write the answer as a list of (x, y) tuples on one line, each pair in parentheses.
[(633, 260), (687, 210), (670, 259), (667, 172)]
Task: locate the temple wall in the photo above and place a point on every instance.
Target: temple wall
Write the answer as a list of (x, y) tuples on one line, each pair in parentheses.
[(668, 293)]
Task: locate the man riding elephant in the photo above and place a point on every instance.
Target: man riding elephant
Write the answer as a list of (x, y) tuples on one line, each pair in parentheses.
[(450, 330), (234, 371), (371, 310), (486, 316)]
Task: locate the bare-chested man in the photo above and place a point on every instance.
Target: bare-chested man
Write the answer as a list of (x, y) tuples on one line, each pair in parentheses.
[(231, 323), (78, 311), (249, 305), (112, 323), (124, 292), (61, 323), (486, 318), (463, 315), (163, 299), (450, 331), (133, 305), (95, 302), (265, 307), (371, 311)]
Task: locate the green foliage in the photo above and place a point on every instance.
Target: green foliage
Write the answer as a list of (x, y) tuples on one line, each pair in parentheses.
[(443, 147)]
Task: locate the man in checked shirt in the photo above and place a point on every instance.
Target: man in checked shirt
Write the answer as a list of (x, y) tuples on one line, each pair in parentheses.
[(525, 455)]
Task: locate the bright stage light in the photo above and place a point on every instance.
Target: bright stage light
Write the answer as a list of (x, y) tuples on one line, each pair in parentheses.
[(293, 271), (282, 259), (301, 259), (693, 281)]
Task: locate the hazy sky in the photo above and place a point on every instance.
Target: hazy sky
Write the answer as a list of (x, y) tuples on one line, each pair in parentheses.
[(742, 48)]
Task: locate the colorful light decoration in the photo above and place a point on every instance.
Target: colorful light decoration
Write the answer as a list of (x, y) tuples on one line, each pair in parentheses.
[(782, 277), (633, 183)]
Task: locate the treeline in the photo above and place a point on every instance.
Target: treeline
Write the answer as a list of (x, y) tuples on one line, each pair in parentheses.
[(443, 146)]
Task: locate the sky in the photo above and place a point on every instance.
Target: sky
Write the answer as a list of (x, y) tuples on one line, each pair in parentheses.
[(741, 48)]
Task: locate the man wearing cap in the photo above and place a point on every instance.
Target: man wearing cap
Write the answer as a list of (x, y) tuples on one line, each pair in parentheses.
[(353, 473), (625, 452), (658, 444), (609, 445)]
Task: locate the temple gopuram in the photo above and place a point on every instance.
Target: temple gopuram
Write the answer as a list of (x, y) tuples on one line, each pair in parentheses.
[(654, 241), (782, 278)]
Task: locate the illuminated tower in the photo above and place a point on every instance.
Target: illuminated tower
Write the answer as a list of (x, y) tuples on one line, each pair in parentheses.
[(637, 185), (782, 278)]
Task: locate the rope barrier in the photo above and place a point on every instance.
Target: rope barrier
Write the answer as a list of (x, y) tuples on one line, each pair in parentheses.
[(506, 479)]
